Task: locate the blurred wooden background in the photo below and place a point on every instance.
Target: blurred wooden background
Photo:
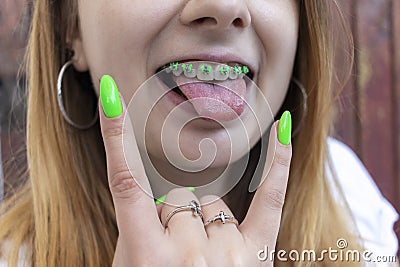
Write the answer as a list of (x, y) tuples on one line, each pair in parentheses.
[(369, 108), (369, 116), (13, 27)]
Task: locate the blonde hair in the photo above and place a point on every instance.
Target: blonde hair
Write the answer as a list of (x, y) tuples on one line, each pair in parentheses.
[(64, 214)]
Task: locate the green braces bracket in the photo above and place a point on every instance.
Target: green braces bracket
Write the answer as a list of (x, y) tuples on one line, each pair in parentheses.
[(207, 69)]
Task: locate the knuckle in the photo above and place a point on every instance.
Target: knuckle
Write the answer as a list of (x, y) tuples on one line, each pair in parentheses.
[(275, 198), (122, 184), (283, 156), (180, 196), (196, 261), (115, 129), (177, 191), (112, 134), (235, 258), (207, 199), (195, 258)]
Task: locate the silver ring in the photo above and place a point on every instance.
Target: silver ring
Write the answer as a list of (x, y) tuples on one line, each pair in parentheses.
[(193, 206), (223, 218)]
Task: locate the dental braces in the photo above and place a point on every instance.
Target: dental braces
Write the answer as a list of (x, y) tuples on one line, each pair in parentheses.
[(207, 72)]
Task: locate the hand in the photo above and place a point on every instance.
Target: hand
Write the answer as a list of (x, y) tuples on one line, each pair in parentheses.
[(143, 241)]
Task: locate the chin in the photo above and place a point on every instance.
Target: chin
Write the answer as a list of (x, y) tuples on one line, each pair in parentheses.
[(210, 153)]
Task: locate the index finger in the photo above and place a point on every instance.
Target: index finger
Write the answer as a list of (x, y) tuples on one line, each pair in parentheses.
[(135, 210)]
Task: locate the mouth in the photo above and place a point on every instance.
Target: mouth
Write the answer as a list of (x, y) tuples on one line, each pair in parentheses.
[(216, 90)]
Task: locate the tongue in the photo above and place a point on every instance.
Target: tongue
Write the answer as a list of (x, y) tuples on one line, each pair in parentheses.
[(219, 100)]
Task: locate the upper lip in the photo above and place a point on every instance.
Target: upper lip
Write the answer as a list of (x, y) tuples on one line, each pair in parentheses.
[(219, 58)]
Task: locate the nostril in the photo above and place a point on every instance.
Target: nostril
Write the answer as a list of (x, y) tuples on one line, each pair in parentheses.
[(200, 20), (211, 21), (205, 20), (238, 23)]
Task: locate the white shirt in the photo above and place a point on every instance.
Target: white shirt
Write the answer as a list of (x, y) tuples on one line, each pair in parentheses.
[(373, 214)]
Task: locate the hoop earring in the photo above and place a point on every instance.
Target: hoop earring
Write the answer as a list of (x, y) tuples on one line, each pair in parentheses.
[(300, 86), (61, 105)]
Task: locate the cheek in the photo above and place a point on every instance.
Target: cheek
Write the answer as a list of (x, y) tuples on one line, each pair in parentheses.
[(115, 40), (277, 24), (277, 28)]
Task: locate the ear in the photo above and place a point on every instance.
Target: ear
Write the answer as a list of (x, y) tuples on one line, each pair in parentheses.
[(79, 58)]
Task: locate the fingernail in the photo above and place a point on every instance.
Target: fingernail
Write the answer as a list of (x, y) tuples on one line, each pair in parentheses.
[(109, 97), (161, 199), (285, 128), (190, 188)]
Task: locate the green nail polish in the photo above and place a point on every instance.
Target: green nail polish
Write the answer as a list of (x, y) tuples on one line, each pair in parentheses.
[(285, 128), (190, 188), (109, 97), (161, 199)]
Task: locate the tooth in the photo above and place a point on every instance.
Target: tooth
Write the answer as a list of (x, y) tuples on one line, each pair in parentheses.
[(177, 71), (221, 72), (235, 71), (188, 70), (205, 73)]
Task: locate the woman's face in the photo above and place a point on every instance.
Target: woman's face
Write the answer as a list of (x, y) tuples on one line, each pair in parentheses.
[(132, 39)]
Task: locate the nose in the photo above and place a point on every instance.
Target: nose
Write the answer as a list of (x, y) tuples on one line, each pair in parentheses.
[(216, 14)]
